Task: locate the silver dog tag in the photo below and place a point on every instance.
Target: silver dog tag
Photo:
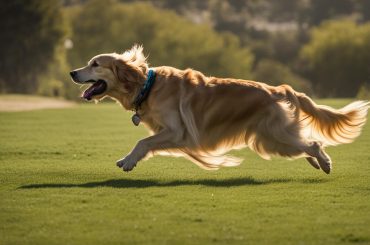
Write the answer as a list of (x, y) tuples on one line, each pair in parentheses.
[(136, 119)]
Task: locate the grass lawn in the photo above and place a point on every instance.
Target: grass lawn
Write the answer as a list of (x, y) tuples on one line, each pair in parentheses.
[(59, 185)]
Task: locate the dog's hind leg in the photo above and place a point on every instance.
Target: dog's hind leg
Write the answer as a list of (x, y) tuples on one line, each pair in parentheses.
[(314, 163), (285, 140), (279, 133), (323, 159)]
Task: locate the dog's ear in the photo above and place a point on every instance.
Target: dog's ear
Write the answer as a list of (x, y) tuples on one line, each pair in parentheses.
[(135, 57), (126, 74)]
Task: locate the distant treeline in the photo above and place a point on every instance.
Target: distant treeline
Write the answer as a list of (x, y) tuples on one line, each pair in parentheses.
[(321, 47)]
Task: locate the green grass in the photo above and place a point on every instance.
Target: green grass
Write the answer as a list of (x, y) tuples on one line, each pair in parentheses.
[(59, 185)]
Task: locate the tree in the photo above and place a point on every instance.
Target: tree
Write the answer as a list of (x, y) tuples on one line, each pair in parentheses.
[(168, 38), (365, 9), (320, 10), (275, 73), (338, 58), (30, 32)]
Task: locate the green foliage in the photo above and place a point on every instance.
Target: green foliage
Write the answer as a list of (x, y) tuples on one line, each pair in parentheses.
[(30, 32), (218, 37), (338, 57), (365, 9), (56, 81), (170, 39), (275, 73), (60, 185), (364, 92), (320, 10), (286, 46)]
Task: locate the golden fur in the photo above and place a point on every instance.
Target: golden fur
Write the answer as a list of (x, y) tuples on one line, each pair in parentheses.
[(201, 118)]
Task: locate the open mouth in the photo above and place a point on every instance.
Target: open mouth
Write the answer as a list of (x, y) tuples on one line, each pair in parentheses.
[(98, 87)]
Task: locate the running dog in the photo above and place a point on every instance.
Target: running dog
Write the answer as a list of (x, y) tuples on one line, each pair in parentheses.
[(201, 118)]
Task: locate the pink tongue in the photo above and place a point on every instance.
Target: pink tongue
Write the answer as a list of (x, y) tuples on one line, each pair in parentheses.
[(88, 93), (97, 88)]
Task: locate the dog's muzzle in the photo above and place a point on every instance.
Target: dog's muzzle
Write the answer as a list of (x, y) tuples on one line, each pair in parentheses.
[(97, 86)]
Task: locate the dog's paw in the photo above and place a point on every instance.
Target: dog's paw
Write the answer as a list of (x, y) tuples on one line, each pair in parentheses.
[(314, 163), (120, 163), (325, 163), (127, 164)]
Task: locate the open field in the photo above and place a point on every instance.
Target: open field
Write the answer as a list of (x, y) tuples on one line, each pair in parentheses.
[(14, 102), (59, 185)]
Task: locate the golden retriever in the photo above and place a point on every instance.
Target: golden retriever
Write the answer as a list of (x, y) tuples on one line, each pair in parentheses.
[(201, 118)]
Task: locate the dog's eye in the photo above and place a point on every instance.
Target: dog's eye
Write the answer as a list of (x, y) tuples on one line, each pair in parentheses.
[(94, 64)]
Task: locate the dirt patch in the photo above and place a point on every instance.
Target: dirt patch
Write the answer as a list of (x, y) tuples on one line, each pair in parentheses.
[(28, 103)]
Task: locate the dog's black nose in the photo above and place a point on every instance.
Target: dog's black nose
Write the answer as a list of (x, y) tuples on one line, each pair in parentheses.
[(73, 74)]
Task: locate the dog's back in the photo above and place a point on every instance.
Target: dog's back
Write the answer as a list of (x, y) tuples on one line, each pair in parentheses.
[(223, 114)]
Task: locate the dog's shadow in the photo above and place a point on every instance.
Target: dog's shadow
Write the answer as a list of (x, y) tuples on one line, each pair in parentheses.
[(145, 183)]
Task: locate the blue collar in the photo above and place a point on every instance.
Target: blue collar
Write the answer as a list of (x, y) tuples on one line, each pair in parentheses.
[(144, 93)]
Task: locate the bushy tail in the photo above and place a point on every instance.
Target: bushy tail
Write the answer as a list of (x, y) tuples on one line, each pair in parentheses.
[(328, 125)]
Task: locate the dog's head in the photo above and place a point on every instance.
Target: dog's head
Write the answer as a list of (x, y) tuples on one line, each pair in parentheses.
[(115, 75)]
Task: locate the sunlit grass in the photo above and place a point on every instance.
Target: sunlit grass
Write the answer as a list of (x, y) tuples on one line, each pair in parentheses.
[(59, 185)]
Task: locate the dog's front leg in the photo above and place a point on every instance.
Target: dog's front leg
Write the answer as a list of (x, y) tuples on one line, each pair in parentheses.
[(166, 139)]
